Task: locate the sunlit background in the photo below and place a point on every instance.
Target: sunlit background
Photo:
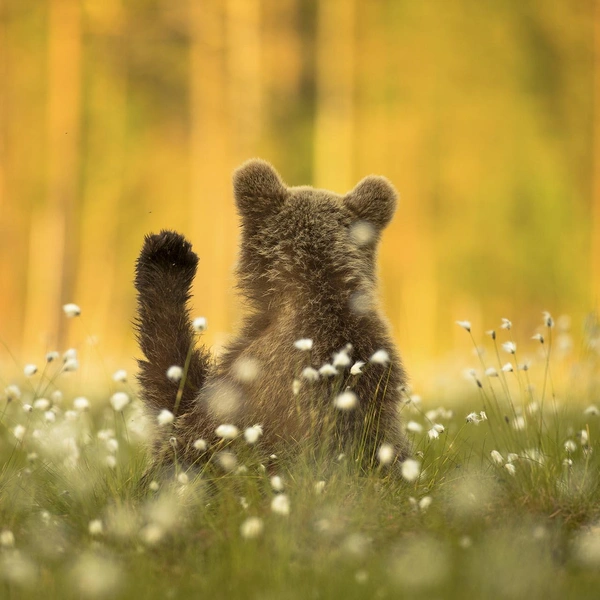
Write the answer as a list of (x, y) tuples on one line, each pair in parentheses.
[(122, 117)]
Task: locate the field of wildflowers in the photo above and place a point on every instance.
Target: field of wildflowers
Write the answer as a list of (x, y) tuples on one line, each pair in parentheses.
[(499, 499)]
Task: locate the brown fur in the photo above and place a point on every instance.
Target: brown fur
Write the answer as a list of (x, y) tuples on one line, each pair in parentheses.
[(303, 273)]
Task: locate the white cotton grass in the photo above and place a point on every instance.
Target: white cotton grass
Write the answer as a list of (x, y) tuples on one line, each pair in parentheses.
[(71, 310), (252, 434), (7, 538), (548, 320), (165, 417), (119, 401), (466, 325), (347, 400), (19, 432), (281, 505), (328, 370), (381, 357), (434, 432), (410, 469), (277, 483), (200, 324), (476, 418), (227, 431), (30, 370), (174, 373), (70, 365), (200, 445), (120, 376), (227, 461), (81, 404), (509, 347), (341, 359), (310, 374), (356, 368), (12, 392), (506, 324), (42, 404), (252, 528), (303, 344), (95, 576), (386, 454), (496, 457), (362, 233), (414, 427), (95, 527), (245, 369), (52, 356)]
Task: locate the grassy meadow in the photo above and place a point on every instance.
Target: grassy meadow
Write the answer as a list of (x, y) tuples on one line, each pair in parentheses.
[(499, 499)]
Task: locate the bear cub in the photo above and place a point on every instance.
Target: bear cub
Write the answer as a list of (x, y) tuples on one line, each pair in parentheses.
[(313, 361)]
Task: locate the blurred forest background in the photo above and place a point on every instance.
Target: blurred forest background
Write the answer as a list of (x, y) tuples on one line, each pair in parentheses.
[(121, 117)]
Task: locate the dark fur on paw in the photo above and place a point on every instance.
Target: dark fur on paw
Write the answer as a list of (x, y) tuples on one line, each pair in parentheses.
[(169, 248), (164, 253)]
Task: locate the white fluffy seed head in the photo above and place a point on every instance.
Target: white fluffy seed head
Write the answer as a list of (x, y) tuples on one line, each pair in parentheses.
[(30, 370), (41, 404), (245, 369), (310, 374), (200, 324), (52, 356), (119, 401), (362, 233), (328, 370), (304, 344), (7, 538), (120, 376), (252, 434), (81, 404), (346, 400), (95, 527), (12, 392), (281, 505), (200, 445), (356, 368), (466, 325), (227, 461), (381, 357), (410, 469), (251, 528), (341, 359), (165, 417), (70, 365), (414, 427), (386, 454), (227, 431), (174, 373), (71, 310), (497, 457), (277, 483), (509, 347)]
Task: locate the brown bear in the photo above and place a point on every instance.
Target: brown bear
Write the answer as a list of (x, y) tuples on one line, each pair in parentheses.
[(307, 277)]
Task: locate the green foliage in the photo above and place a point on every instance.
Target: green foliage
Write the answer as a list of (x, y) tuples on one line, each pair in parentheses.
[(502, 503)]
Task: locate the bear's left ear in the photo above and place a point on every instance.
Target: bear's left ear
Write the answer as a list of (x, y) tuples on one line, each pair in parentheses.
[(374, 200), (257, 188)]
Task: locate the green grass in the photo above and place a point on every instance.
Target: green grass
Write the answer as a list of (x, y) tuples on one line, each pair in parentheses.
[(468, 526)]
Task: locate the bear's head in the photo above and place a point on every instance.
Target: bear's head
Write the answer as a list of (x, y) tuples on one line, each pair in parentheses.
[(309, 242)]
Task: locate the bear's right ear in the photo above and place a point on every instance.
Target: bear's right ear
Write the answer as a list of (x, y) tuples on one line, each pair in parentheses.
[(257, 188)]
